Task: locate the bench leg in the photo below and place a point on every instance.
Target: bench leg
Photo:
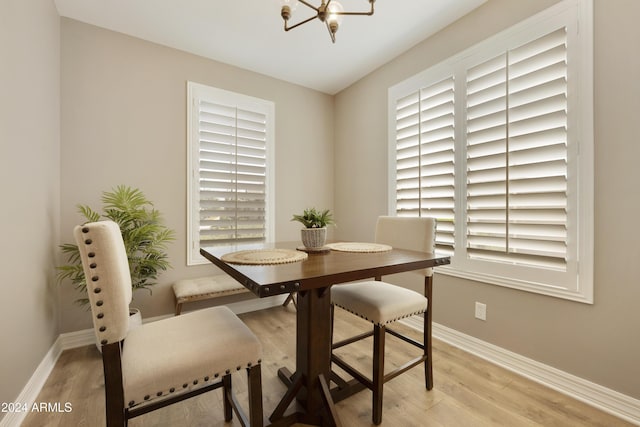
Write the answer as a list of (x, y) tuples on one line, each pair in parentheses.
[(178, 308)]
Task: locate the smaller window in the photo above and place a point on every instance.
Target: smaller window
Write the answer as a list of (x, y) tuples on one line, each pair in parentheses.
[(230, 169)]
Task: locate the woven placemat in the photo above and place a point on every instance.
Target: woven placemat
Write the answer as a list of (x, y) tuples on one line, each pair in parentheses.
[(264, 256), (359, 247)]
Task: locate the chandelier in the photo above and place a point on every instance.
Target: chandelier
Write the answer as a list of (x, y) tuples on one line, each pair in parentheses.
[(330, 12)]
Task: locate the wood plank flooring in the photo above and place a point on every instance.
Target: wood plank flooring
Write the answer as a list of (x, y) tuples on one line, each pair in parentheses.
[(468, 391)]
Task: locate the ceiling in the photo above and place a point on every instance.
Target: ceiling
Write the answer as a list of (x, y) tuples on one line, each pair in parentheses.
[(249, 33)]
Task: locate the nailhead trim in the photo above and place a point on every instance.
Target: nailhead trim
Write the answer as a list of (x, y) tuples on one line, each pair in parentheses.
[(195, 382)]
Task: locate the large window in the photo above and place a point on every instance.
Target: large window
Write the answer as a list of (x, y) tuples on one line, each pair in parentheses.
[(497, 144), (230, 170)]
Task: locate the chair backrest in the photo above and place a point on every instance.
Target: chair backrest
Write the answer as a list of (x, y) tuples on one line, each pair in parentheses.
[(106, 269), (411, 233)]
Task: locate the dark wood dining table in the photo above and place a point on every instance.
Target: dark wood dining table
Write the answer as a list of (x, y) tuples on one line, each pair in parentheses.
[(312, 279)]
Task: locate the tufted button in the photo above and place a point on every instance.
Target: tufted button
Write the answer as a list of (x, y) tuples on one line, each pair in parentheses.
[(93, 265), (238, 368), (159, 394), (216, 375), (195, 382), (206, 378), (147, 397), (100, 315), (227, 371), (97, 290), (88, 242), (91, 254), (185, 385), (249, 365), (104, 342), (131, 403), (95, 278), (85, 229), (172, 389), (103, 328), (99, 303)]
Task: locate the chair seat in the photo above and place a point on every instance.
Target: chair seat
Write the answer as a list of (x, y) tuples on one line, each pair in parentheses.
[(378, 302), (191, 351)]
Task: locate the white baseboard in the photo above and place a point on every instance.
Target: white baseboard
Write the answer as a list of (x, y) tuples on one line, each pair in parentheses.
[(30, 392), (84, 337), (605, 399)]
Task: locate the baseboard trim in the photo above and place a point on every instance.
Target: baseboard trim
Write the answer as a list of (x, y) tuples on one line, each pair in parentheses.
[(603, 398), (84, 337), (30, 392)]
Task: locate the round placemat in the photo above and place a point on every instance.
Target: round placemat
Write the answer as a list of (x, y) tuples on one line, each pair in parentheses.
[(264, 256), (359, 247)]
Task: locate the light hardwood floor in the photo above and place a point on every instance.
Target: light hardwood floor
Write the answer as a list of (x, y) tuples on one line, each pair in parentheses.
[(468, 391)]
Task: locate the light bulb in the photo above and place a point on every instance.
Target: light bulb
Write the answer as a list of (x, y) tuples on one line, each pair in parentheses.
[(334, 11)]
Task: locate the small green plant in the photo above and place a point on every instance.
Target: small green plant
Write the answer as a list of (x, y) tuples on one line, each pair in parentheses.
[(312, 218), (145, 239)]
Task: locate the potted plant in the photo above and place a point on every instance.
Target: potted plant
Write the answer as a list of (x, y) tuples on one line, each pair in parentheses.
[(145, 239), (314, 235)]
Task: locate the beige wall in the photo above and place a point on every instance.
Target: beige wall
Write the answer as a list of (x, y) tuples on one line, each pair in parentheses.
[(124, 122), (29, 185), (599, 342)]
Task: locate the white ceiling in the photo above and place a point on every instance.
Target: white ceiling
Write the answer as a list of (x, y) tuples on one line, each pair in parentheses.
[(249, 33)]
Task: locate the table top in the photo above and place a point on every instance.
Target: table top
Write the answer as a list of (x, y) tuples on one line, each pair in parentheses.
[(319, 270)]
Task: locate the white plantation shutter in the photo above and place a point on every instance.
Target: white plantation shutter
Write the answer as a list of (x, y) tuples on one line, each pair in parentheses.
[(230, 168), (497, 144), (517, 155), (425, 158)]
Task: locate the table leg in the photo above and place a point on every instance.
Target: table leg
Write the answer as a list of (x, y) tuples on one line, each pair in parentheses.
[(313, 361)]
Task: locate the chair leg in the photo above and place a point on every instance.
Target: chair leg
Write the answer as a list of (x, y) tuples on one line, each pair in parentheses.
[(378, 372), (254, 380), (428, 321), (113, 389), (227, 396)]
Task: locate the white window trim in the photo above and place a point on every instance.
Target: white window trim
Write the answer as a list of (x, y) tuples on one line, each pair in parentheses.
[(581, 11), (195, 91)]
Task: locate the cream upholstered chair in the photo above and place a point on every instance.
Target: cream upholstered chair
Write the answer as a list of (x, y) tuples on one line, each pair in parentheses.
[(166, 361), (383, 303)]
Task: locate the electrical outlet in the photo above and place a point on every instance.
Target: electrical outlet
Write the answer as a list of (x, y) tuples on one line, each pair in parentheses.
[(481, 311)]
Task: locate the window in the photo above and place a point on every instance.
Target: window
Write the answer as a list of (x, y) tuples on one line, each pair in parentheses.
[(497, 144), (230, 169)]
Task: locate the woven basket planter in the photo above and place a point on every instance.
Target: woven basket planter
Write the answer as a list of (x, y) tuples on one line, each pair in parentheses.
[(313, 238)]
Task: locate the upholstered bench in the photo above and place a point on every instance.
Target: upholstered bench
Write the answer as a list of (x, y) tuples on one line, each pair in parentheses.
[(203, 288)]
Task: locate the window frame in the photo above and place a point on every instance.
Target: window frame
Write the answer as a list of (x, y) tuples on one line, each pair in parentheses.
[(577, 16), (196, 91)]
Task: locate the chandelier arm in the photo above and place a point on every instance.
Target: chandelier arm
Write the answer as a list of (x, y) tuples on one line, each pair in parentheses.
[(309, 5), (287, 28), (369, 13)]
